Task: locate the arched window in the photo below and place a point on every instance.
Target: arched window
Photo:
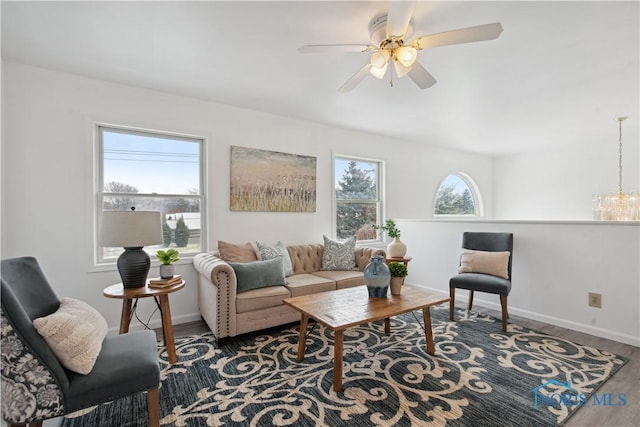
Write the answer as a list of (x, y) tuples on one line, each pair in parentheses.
[(457, 195)]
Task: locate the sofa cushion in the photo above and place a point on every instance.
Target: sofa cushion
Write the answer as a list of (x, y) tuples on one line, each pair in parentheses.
[(339, 255), (278, 250), (232, 252), (258, 274), (257, 299), (306, 284), (343, 279), (75, 333), (494, 263)]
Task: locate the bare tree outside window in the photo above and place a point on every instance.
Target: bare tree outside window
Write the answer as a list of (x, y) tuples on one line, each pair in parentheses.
[(117, 202)]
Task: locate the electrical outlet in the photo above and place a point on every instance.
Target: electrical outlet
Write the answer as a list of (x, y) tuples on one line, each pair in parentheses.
[(595, 300)]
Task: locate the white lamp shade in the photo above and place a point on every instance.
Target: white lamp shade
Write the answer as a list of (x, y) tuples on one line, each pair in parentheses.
[(379, 73), (406, 55), (130, 229), (380, 58)]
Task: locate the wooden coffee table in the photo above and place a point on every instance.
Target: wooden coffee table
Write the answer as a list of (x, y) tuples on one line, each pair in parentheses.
[(341, 309)]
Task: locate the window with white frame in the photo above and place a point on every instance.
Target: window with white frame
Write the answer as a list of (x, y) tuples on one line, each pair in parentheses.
[(152, 172), (358, 197), (457, 195)]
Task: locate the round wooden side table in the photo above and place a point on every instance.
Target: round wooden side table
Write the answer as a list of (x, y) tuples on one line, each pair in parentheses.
[(161, 295), (405, 260)]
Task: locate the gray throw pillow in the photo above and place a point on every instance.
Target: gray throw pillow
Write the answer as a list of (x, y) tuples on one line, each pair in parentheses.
[(258, 274), (277, 250), (339, 255)]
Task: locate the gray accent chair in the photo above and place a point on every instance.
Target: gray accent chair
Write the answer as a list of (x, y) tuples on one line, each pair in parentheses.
[(35, 385), (490, 242)]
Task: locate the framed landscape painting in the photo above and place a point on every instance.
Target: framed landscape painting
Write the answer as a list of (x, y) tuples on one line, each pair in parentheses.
[(270, 181)]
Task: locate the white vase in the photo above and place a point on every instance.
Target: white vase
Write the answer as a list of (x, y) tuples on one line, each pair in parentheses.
[(167, 271), (396, 249)]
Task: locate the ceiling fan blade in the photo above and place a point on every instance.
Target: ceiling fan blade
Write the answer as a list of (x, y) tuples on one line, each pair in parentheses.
[(356, 78), (421, 76), (399, 16), (463, 35), (400, 69), (322, 48)]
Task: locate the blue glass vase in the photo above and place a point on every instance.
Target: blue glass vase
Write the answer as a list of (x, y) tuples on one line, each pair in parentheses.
[(377, 277)]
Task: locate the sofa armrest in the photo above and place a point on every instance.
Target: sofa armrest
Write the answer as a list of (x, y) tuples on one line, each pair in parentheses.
[(217, 288), (212, 267)]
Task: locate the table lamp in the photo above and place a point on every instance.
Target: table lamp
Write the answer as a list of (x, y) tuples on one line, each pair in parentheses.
[(131, 230)]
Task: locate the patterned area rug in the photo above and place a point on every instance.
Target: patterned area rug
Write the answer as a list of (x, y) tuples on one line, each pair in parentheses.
[(480, 376)]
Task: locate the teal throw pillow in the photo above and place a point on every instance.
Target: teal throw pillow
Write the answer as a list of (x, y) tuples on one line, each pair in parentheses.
[(339, 255), (258, 274), (277, 250)]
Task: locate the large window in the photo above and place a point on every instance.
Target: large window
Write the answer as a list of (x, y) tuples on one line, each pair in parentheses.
[(152, 172), (358, 200), (457, 196)]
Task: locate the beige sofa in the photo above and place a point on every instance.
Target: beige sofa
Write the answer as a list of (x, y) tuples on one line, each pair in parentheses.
[(229, 313)]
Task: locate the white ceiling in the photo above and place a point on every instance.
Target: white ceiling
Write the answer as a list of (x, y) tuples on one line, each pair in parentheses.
[(560, 72)]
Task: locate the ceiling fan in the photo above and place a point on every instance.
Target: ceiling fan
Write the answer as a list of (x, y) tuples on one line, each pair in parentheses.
[(389, 36)]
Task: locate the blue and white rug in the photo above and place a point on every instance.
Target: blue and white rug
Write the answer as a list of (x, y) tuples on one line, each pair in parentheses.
[(479, 376)]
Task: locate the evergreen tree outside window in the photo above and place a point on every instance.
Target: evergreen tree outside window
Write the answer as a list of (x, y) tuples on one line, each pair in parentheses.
[(456, 196), (357, 192)]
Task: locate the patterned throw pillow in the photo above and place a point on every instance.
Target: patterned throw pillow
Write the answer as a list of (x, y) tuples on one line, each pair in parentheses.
[(339, 255), (74, 332), (278, 250)]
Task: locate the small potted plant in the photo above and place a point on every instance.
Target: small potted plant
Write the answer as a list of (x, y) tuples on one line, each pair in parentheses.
[(167, 258), (398, 272), (395, 249)]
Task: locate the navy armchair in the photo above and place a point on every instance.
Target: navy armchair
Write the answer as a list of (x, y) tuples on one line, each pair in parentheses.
[(36, 386)]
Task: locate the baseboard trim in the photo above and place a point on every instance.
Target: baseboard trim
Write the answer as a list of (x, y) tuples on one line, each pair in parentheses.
[(564, 323), (580, 327)]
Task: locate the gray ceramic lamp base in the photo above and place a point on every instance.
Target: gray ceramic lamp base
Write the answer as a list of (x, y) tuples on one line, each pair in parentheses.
[(133, 265)]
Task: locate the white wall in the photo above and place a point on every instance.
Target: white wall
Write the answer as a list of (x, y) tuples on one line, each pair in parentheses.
[(558, 184), (48, 181), (555, 266)]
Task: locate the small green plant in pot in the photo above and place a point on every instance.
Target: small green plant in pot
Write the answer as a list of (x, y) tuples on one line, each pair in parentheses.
[(389, 227), (398, 272), (398, 269), (167, 258)]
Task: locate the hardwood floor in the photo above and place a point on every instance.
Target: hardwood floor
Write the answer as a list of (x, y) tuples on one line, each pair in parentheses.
[(626, 381)]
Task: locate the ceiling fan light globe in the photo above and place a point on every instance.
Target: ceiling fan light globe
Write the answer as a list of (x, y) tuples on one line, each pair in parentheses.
[(406, 55), (380, 58), (379, 72)]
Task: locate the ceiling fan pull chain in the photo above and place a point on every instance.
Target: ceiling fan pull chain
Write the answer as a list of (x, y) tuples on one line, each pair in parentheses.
[(391, 78)]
